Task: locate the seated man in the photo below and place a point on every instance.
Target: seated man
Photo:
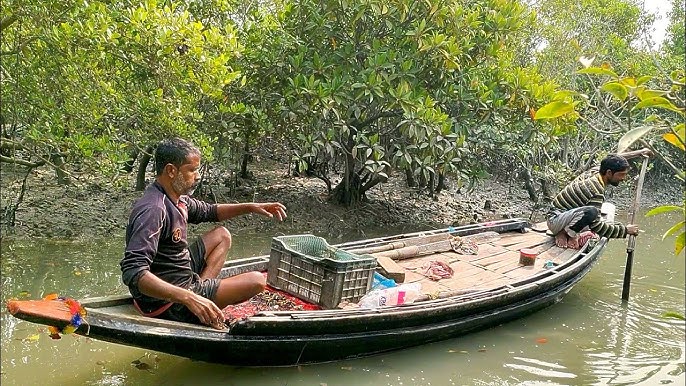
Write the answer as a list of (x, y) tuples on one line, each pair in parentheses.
[(577, 206), (168, 277)]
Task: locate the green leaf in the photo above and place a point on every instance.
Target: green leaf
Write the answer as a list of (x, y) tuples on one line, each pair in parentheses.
[(598, 71), (663, 209), (648, 94), (563, 94), (554, 109), (672, 314), (643, 79), (632, 136), (658, 102), (679, 243), (673, 229), (618, 90)]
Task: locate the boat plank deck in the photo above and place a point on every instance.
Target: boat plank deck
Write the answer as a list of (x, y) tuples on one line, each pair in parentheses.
[(495, 264)]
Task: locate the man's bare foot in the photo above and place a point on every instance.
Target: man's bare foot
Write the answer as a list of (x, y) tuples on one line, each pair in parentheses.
[(561, 239), (573, 242)]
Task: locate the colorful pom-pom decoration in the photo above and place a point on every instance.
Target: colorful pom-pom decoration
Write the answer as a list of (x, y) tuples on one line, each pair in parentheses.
[(77, 316)]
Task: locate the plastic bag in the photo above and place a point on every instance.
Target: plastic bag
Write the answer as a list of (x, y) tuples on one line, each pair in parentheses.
[(380, 282), (402, 294)]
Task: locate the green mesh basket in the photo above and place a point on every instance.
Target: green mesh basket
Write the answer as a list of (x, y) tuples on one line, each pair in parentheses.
[(307, 267), (317, 248)]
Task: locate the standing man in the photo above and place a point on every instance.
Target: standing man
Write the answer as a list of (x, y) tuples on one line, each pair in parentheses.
[(577, 206), (167, 276)]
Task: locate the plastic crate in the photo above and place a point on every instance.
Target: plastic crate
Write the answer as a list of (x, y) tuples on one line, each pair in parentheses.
[(305, 266)]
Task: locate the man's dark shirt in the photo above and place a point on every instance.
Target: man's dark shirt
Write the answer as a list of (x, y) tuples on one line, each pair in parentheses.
[(156, 241)]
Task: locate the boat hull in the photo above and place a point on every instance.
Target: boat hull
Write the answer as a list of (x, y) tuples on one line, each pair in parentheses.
[(294, 338)]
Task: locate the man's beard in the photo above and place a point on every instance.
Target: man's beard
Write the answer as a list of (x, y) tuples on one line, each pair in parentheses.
[(183, 189)]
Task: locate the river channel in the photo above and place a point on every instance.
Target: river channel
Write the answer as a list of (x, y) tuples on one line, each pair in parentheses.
[(589, 338)]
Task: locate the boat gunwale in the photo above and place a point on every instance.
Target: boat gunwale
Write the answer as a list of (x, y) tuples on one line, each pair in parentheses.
[(549, 280)]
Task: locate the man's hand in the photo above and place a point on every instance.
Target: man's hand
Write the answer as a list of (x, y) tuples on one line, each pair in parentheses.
[(205, 309), (271, 209), (632, 229)]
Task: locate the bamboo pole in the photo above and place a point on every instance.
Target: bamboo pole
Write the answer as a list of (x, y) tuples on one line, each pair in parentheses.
[(631, 243)]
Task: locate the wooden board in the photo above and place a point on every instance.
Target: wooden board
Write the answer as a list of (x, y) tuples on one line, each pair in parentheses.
[(391, 269), (51, 312), (530, 240)]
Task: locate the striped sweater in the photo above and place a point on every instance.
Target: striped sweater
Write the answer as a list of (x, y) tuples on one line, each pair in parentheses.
[(588, 190)]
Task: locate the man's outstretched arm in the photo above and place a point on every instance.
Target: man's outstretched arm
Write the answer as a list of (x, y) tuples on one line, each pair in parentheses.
[(268, 209)]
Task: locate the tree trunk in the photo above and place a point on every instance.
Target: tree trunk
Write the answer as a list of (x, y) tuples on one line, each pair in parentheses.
[(133, 155), (140, 175), (10, 215), (432, 184), (245, 157), (349, 195), (347, 192), (529, 184), (441, 183), (409, 178), (62, 176), (545, 188)]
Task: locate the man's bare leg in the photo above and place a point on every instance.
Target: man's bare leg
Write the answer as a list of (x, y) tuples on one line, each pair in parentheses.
[(217, 244), (233, 289), (239, 288), (561, 239)]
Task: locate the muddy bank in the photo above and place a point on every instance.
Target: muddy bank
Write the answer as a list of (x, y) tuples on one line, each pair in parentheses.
[(89, 211)]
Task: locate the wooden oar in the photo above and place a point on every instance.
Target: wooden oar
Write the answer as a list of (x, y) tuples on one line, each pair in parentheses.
[(631, 243)]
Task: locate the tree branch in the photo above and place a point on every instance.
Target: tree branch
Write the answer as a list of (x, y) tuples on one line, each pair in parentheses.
[(676, 170), (376, 117), (21, 162), (604, 108), (7, 21), (597, 129)]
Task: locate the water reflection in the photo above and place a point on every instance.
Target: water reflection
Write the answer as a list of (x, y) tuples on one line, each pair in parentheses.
[(589, 338)]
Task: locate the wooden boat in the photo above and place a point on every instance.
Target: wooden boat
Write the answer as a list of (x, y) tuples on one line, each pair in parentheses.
[(486, 289)]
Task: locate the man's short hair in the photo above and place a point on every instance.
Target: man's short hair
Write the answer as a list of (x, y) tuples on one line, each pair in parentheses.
[(614, 163), (173, 151)]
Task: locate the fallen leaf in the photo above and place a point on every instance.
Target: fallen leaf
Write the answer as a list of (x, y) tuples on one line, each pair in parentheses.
[(541, 340), (672, 314), (24, 294), (451, 351), (464, 352), (143, 366), (482, 350), (33, 337), (346, 368), (77, 273)]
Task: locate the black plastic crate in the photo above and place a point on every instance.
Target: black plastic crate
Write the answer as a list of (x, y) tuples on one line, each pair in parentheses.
[(305, 266)]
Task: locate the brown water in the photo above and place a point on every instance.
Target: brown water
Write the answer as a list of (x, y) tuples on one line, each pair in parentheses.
[(589, 338)]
